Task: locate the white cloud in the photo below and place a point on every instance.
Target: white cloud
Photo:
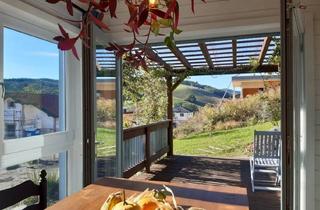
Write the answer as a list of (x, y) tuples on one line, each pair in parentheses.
[(44, 53)]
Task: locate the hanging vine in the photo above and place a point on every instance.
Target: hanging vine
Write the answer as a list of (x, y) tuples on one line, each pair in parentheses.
[(151, 14)]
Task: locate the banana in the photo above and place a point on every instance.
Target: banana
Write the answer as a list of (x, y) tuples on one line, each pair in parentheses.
[(112, 200)]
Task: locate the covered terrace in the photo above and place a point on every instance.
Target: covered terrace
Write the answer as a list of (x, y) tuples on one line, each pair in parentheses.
[(145, 146), (221, 37)]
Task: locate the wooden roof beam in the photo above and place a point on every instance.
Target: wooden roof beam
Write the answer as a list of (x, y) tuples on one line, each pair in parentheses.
[(158, 59), (180, 57), (234, 52), (245, 69), (206, 54), (178, 82), (264, 49)]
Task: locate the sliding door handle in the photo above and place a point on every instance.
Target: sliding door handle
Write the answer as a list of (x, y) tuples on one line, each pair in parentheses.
[(3, 89)]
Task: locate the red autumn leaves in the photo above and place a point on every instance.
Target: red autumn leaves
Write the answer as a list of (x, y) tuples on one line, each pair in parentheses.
[(142, 15)]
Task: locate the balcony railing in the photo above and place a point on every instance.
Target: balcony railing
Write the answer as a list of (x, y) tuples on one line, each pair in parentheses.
[(143, 145)]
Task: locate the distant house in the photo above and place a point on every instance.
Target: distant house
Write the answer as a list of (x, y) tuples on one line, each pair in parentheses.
[(106, 88), (251, 85), (30, 114), (181, 114)]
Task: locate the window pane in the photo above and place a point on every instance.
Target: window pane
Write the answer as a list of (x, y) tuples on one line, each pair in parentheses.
[(106, 114), (14, 175), (33, 86)]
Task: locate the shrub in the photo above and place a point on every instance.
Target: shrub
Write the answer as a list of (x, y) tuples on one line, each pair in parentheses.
[(251, 110), (228, 125), (106, 110)]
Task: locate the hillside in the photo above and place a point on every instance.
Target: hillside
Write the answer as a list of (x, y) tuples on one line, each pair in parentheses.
[(32, 86), (192, 95)]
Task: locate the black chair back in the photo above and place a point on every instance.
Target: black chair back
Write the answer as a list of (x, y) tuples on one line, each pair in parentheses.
[(14, 195)]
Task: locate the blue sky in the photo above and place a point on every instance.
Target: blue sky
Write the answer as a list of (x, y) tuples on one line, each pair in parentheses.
[(220, 82), (217, 81), (29, 57)]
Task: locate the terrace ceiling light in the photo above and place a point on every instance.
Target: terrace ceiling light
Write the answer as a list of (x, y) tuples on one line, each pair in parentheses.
[(153, 3)]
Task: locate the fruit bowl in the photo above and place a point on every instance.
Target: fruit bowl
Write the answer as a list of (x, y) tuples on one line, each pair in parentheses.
[(147, 200)]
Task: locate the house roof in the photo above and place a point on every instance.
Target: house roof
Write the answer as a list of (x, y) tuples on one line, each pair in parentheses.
[(48, 103), (181, 109), (256, 77)]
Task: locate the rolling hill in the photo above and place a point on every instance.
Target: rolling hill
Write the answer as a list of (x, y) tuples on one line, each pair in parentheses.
[(192, 95), (34, 86)]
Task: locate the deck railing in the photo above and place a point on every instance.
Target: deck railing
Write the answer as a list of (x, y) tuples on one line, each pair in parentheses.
[(143, 145)]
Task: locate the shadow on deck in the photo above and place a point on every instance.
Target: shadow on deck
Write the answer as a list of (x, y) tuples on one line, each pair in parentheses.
[(211, 171)]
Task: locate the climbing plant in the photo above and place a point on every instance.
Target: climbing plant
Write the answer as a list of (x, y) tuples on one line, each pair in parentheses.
[(151, 15)]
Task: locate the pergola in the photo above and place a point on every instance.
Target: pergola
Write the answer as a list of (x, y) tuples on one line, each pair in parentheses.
[(216, 56), (228, 55)]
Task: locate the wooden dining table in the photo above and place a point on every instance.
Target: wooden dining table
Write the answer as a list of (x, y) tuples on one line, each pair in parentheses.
[(209, 197)]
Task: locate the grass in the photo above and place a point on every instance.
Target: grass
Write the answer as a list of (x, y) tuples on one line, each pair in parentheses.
[(227, 143), (106, 140)]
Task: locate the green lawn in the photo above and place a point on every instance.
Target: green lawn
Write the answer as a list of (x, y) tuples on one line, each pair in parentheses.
[(227, 143), (106, 140)]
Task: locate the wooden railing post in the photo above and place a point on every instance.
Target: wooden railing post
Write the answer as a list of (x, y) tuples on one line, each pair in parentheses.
[(154, 147), (148, 155), (170, 113), (170, 138)]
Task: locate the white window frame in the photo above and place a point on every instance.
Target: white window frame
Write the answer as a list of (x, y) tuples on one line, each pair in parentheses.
[(304, 139), (32, 21)]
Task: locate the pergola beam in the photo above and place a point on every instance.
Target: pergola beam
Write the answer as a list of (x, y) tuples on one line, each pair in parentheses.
[(178, 82), (180, 56), (206, 54), (230, 70), (264, 49), (158, 59), (234, 52)]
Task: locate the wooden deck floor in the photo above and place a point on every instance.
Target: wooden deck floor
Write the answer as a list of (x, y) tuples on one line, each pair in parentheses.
[(211, 171)]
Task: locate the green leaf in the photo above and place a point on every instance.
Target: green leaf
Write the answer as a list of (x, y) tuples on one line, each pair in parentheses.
[(177, 31), (165, 22), (155, 27), (168, 41)]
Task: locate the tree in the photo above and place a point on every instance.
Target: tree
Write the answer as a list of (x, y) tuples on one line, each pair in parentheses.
[(192, 99), (145, 92)]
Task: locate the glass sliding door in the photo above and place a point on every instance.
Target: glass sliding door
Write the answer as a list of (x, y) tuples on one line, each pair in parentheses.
[(32, 120), (106, 115)]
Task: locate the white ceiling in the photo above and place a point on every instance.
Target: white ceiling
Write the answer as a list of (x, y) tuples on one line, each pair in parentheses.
[(216, 18), (57, 10)]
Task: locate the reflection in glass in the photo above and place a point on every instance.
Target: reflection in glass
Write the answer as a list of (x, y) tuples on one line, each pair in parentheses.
[(106, 114), (32, 84), (14, 175)]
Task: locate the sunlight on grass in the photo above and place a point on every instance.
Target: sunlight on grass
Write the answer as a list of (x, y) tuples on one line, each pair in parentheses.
[(226, 143), (105, 141)]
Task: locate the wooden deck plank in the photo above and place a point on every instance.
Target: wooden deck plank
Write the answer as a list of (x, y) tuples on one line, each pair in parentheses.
[(212, 172)]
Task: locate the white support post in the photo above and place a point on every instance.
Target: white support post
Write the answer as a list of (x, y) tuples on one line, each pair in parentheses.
[(234, 93), (119, 138), (1, 88), (63, 166)]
